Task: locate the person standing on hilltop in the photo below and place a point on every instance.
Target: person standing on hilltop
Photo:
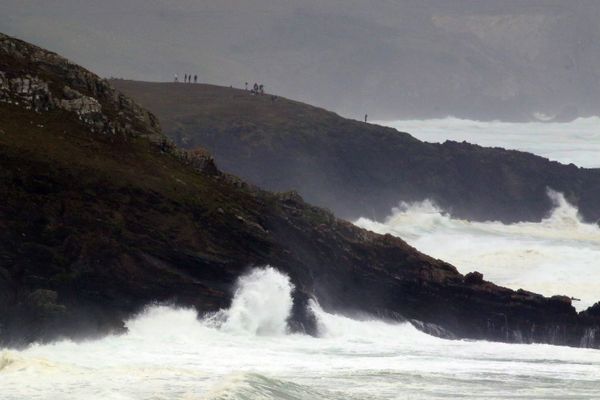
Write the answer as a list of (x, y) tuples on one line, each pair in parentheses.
[(366, 117), (195, 78)]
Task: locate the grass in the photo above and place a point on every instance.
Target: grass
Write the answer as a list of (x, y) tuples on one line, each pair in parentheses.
[(62, 186)]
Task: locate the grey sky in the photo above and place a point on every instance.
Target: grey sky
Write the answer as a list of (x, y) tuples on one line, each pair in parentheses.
[(472, 58)]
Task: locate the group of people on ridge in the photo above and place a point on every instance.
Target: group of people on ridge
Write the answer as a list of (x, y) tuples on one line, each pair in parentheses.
[(256, 89), (187, 78)]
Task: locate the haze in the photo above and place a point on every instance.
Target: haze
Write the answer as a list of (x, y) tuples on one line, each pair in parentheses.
[(392, 59)]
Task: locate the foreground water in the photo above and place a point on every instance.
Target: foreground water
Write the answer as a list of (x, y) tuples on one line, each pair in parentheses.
[(245, 353), (576, 142)]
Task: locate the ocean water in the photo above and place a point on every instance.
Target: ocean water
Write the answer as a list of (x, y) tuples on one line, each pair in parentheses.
[(559, 255), (576, 142), (246, 353)]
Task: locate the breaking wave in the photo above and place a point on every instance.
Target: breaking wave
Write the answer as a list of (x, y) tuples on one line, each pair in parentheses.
[(555, 256), (244, 353), (261, 305)]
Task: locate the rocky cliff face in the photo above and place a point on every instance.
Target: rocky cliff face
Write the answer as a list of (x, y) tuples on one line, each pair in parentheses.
[(94, 225), (39, 80), (358, 169)]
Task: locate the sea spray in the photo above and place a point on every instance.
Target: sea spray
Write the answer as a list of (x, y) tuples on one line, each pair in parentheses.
[(169, 353), (576, 142), (557, 255), (179, 325), (336, 326), (261, 305)]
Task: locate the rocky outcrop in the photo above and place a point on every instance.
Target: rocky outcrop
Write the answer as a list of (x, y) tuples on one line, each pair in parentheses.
[(358, 169), (201, 160), (93, 227), (43, 81)]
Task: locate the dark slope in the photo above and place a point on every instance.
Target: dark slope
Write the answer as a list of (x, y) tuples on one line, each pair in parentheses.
[(358, 169), (96, 223)]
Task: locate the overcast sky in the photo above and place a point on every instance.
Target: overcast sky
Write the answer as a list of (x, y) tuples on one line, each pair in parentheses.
[(471, 58)]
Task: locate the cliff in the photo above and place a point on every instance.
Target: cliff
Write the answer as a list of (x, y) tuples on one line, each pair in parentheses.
[(98, 220), (358, 169)]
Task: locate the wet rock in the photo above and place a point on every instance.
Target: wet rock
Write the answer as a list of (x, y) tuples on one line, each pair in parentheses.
[(474, 278), (433, 330), (45, 302)]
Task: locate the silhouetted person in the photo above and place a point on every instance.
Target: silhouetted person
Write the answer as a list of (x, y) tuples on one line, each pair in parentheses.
[(366, 117), (185, 78), (195, 78), (246, 85), (261, 88)]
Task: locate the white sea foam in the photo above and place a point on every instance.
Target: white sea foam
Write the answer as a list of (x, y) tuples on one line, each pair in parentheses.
[(559, 255), (172, 354), (261, 304), (576, 142)]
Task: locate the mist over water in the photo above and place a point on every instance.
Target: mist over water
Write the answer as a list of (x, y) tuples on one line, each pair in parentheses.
[(170, 353), (559, 255), (576, 142)]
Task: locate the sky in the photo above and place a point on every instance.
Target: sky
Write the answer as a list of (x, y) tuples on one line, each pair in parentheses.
[(481, 59)]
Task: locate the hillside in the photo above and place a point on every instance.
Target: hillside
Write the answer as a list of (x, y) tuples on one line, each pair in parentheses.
[(102, 216), (358, 169), (475, 59)]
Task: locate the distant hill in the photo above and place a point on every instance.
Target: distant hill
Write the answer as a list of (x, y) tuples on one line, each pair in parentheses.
[(101, 215), (358, 169), (478, 59)]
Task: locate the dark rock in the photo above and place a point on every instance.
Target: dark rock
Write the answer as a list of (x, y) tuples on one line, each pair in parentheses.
[(433, 330), (474, 278), (593, 311)]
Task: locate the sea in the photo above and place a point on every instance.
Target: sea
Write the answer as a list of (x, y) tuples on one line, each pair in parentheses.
[(247, 351)]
